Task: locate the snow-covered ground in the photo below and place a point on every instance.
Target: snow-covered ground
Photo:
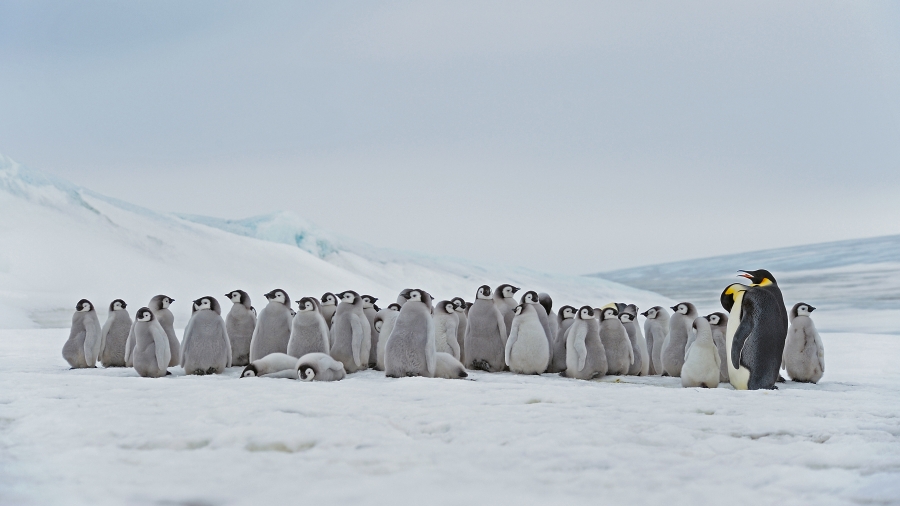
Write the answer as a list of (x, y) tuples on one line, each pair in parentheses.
[(100, 436)]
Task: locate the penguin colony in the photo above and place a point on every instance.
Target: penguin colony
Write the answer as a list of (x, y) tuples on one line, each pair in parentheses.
[(331, 336)]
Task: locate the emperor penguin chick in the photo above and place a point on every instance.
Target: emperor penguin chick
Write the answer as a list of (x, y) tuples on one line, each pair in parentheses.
[(350, 332), (446, 366), (114, 335), (656, 326), (410, 348), (641, 365), (273, 327), (718, 323), (532, 298), (485, 341), (459, 305), (240, 324), (552, 321), (206, 348), (701, 366), (505, 301), (319, 367), (585, 355), (370, 310), (619, 354), (162, 314), (565, 317), (804, 354), (676, 339), (446, 322), (309, 332), (273, 365), (83, 346), (151, 353), (527, 349), (384, 324), (328, 307)]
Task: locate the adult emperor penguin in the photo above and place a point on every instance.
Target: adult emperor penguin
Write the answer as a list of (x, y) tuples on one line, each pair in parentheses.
[(240, 324), (328, 306), (350, 332), (485, 341), (273, 365), (641, 365), (552, 321), (459, 305), (701, 365), (319, 367), (309, 332), (370, 310), (527, 349), (273, 327), (565, 316), (83, 346), (656, 326), (505, 301), (384, 324), (114, 335), (410, 348), (151, 353), (206, 348), (619, 355), (446, 366), (718, 323), (804, 355), (756, 331), (446, 322), (585, 355), (676, 339)]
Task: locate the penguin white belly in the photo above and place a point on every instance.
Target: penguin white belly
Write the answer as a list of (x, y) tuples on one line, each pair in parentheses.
[(738, 377), (700, 369), (531, 352)]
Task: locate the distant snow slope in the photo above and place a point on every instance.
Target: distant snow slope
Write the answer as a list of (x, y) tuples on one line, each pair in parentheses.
[(61, 243), (854, 284)]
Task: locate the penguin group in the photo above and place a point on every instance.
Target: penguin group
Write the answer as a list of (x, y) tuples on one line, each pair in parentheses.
[(337, 334)]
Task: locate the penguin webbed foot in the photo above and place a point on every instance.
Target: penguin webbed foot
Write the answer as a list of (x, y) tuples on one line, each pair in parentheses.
[(211, 370), (780, 379), (168, 373)]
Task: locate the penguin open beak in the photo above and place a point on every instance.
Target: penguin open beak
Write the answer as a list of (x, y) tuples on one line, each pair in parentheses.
[(745, 275)]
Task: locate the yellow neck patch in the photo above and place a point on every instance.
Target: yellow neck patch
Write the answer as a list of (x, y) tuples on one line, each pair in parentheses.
[(764, 282)]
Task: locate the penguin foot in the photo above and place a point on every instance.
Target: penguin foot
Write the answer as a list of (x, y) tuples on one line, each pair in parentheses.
[(780, 379), (481, 365), (562, 374), (664, 374), (463, 374), (211, 370), (199, 372), (168, 373)]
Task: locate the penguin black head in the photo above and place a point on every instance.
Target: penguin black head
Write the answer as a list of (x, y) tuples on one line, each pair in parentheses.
[(250, 372), (161, 302), (546, 301), (620, 306), (567, 312), (239, 297), (348, 296), (445, 307), (484, 292), (393, 306), (727, 297), (144, 315), (801, 309), (419, 295), (586, 313), (628, 313), (368, 300), (117, 304), (84, 306), (405, 293), (684, 308), (609, 313), (378, 323), (307, 304), (759, 277), (717, 318), (507, 291), (459, 304), (307, 372), (279, 295), (530, 297), (329, 299), (208, 302)]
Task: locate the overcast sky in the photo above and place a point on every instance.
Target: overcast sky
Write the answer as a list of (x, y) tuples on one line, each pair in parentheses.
[(568, 137)]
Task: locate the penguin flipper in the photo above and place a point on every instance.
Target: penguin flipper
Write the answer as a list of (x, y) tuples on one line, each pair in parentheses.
[(356, 333), (430, 358), (129, 346), (511, 340), (224, 332), (161, 344), (579, 348), (501, 326), (105, 330), (92, 340), (740, 339)]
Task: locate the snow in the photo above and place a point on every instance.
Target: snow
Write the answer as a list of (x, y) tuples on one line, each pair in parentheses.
[(106, 436)]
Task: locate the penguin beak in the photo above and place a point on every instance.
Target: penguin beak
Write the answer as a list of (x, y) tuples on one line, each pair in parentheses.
[(645, 313), (811, 309), (745, 275), (674, 308)]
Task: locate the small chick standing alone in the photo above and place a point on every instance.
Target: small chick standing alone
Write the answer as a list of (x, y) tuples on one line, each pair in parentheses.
[(83, 347), (804, 354), (701, 366)]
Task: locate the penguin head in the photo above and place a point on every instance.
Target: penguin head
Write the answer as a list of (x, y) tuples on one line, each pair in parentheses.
[(518, 310), (445, 307), (202, 303), (144, 315), (530, 297), (459, 304), (508, 291), (249, 372), (84, 306), (328, 299), (683, 308), (626, 317), (586, 313), (546, 301), (117, 305), (368, 301), (801, 309), (279, 295), (728, 295), (717, 318), (484, 292), (759, 277), (415, 295), (162, 301), (306, 373), (349, 297), (393, 306), (567, 312), (700, 324), (609, 313), (293, 313), (306, 304), (378, 323), (253, 310), (239, 297)]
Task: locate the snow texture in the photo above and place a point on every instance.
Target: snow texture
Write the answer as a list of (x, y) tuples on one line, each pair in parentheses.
[(106, 436)]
